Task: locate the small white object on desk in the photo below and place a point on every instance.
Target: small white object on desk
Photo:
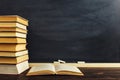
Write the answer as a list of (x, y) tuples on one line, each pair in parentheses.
[(59, 61), (79, 62)]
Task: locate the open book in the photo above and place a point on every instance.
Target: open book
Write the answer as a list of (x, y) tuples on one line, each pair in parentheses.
[(50, 69)]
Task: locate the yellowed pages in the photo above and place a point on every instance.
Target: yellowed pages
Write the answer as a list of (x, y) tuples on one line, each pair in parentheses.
[(45, 69), (62, 69)]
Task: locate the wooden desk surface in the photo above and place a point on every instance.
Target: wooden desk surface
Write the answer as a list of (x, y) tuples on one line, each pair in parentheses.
[(91, 73)]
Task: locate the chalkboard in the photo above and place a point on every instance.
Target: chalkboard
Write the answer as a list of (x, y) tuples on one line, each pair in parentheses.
[(71, 30)]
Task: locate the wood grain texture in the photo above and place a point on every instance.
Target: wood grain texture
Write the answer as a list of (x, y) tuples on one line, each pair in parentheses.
[(91, 73)]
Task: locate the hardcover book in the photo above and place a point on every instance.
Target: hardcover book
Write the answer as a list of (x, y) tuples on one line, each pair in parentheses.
[(14, 69), (12, 40), (10, 25), (12, 34), (12, 29), (13, 18), (13, 53), (12, 47), (13, 60)]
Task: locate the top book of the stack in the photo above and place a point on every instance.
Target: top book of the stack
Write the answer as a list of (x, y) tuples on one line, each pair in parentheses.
[(13, 18)]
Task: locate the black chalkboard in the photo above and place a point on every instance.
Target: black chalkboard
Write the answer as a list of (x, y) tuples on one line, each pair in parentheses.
[(71, 30)]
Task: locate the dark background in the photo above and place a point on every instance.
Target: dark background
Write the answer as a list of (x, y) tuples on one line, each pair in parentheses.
[(71, 30)]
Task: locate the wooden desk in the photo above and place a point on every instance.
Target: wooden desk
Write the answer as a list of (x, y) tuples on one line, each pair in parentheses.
[(110, 72)]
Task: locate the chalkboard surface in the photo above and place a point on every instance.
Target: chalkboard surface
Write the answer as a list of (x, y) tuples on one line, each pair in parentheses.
[(71, 30)]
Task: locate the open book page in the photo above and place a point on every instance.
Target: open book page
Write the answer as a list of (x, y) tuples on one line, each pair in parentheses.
[(62, 69), (45, 69)]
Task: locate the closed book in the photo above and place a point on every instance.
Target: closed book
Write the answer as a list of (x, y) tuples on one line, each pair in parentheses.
[(12, 47), (13, 18), (13, 53), (14, 29), (12, 40), (14, 24), (13, 60), (14, 69), (12, 34)]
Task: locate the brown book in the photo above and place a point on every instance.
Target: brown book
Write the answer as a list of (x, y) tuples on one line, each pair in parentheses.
[(14, 24), (13, 54), (50, 69), (12, 47), (13, 18), (12, 34), (13, 60), (12, 40), (14, 69), (13, 29)]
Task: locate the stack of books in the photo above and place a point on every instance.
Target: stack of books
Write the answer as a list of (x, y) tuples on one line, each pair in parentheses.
[(13, 52)]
